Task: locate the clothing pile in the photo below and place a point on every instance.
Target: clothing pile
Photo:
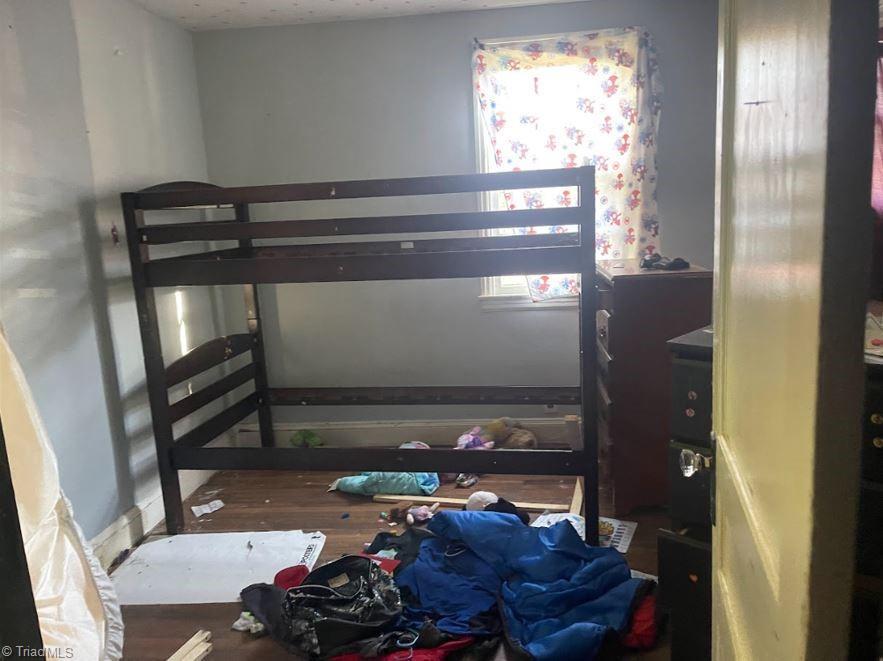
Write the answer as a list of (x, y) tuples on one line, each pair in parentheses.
[(454, 589)]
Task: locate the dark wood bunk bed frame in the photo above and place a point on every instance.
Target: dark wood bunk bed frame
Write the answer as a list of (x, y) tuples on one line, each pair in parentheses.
[(250, 265)]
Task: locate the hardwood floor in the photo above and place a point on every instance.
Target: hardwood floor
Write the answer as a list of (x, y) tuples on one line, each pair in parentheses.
[(286, 500)]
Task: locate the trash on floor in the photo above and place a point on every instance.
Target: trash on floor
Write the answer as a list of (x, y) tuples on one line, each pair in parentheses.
[(208, 508), (210, 567), (247, 622), (611, 532)]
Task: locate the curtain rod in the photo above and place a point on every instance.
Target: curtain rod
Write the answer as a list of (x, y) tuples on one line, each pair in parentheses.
[(481, 43)]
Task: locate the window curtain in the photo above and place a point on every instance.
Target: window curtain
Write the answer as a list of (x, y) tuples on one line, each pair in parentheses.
[(576, 99)]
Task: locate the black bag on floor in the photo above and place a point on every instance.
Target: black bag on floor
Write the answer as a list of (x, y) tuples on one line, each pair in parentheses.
[(346, 600)]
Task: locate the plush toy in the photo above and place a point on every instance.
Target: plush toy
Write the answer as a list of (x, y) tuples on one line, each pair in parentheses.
[(305, 438), (520, 439), (473, 440), (499, 433), (421, 514)]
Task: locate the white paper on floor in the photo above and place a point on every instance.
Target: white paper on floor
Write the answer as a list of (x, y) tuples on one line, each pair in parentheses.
[(621, 539), (210, 567)]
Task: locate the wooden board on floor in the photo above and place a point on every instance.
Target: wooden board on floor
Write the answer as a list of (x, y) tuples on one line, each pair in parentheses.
[(460, 502)]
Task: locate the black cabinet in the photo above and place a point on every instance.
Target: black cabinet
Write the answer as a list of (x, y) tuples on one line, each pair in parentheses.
[(684, 552), (685, 591)]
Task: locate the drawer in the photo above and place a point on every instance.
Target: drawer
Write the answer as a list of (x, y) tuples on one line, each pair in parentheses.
[(691, 401), (869, 535), (685, 592), (604, 295), (872, 437), (602, 324), (689, 641), (689, 497)]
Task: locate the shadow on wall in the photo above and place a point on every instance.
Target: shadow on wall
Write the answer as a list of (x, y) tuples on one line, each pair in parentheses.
[(67, 302)]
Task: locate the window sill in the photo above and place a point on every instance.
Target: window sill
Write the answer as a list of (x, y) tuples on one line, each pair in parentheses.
[(492, 303)]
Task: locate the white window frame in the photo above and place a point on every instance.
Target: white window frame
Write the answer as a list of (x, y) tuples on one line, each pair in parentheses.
[(494, 293)]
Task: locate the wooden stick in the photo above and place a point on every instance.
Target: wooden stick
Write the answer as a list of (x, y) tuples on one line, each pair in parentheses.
[(459, 502), (199, 652), (576, 503), (198, 639)]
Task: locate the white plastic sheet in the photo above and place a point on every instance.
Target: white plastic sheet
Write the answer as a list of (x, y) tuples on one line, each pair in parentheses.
[(76, 604), (210, 567)]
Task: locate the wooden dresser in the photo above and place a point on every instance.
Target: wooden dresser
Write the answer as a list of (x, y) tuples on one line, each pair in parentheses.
[(638, 311)]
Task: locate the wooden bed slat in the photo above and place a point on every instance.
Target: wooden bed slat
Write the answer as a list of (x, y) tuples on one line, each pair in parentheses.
[(187, 405), (214, 427), (280, 229), (511, 462), (460, 395), (339, 190), (413, 266), (214, 352)]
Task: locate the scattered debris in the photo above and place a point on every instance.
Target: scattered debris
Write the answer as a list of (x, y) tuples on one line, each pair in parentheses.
[(345, 515), (392, 523), (208, 508), (247, 622)]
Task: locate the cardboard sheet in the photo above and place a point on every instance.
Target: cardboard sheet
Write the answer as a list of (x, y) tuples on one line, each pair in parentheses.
[(210, 567)]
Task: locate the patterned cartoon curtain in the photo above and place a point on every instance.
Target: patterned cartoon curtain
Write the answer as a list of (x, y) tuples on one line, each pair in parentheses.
[(577, 99)]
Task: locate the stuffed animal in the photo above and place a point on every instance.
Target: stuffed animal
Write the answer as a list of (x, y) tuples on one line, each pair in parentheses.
[(499, 433), (473, 440), (421, 514), (520, 439)]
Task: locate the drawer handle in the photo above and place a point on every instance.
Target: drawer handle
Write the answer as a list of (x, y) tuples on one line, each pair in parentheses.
[(692, 396), (878, 442), (689, 413), (693, 462), (877, 419)]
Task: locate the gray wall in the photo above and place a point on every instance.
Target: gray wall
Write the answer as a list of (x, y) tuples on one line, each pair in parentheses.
[(98, 97), (392, 97)]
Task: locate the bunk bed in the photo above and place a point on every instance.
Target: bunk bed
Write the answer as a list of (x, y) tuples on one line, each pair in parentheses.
[(480, 254)]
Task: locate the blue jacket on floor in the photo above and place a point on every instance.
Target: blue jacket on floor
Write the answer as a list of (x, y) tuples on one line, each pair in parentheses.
[(559, 597)]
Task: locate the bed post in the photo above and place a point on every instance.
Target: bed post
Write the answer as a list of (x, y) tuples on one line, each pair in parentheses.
[(588, 358), (253, 312), (154, 367)]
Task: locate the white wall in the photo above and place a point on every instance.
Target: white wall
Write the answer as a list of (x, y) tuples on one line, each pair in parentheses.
[(392, 97), (98, 97)]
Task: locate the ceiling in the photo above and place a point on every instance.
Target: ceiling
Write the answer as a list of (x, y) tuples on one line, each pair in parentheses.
[(225, 14)]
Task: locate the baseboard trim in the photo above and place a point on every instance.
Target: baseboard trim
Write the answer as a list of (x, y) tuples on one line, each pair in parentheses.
[(129, 529), (379, 433)]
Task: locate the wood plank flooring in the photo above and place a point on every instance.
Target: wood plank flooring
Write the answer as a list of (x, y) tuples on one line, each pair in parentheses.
[(286, 500)]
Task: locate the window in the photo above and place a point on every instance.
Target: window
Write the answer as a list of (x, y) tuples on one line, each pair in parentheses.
[(567, 101)]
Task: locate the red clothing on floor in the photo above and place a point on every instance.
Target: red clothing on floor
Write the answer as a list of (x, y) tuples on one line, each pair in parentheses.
[(643, 632), (291, 577), (415, 653)]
